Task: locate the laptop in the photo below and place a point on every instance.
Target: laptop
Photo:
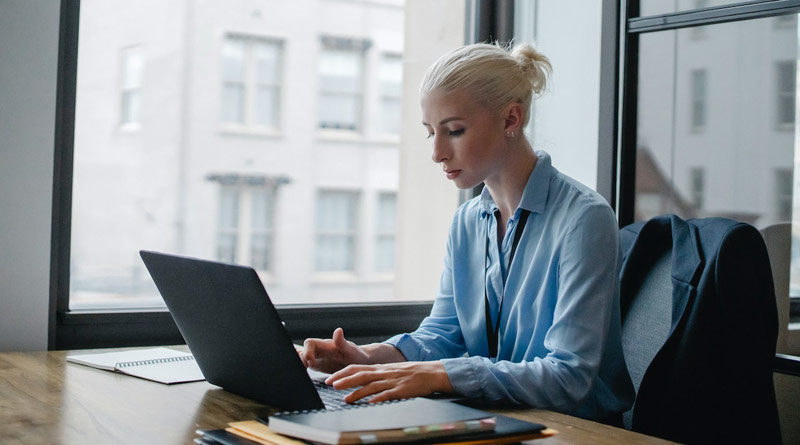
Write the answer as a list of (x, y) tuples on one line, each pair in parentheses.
[(234, 332)]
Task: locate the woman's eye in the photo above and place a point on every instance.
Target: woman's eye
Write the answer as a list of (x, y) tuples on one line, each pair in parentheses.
[(457, 132)]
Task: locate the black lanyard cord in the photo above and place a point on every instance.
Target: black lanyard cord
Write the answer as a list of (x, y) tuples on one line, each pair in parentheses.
[(492, 333)]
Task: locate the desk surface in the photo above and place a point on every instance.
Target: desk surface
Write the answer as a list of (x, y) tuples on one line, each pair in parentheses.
[(43, 399)]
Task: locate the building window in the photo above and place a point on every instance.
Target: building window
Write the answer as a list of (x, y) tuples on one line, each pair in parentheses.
[(697, 186), (783, 194), (391, 83), (131, 85), (385, 229), (336, 230), (251, 82), (341, 84), (245, 224), (785, 85), (699, 99)]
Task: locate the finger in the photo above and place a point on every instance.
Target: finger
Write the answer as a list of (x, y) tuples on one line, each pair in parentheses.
[(309, 352), (345, 373), (338, 338), (368, 390)]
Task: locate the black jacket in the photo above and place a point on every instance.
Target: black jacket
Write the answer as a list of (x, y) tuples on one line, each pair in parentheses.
[(711, 381)]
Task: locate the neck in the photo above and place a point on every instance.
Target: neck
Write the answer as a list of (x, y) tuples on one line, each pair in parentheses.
[(507, 185)]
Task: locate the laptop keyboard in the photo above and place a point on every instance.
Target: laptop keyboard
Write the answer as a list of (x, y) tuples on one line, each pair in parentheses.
[(334, 398)]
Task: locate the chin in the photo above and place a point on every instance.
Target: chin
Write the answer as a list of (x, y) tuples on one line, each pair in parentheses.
[(464, 185)]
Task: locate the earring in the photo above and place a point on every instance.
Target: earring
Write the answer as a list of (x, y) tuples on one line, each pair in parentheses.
[(510, 134)]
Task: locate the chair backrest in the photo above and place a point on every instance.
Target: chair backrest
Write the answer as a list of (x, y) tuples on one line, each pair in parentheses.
[(778, 239), (646, 322), (698, 330)]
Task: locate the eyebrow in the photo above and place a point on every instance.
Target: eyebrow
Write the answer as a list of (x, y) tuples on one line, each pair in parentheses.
[(446, 120)]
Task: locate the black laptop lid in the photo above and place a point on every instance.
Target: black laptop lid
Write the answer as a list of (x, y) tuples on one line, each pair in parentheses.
[(233, 330)]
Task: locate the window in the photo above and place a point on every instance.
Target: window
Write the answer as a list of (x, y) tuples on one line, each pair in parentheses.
[(245, 224), (187, 183), (341, 71), (391, 85), (785, 86), (336, 216), (251, 82), (698, 99), (697, 187), (783, 194), (132, 72), (385, 228), (749, 147)]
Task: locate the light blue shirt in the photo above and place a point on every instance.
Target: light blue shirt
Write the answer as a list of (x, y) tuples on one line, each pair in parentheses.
[(559, 330)]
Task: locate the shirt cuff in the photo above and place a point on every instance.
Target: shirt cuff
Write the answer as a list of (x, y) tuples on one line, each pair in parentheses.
[(411, 349), (463, 379)]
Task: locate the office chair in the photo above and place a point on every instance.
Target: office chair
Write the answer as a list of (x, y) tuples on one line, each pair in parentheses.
[(778, 239), (699, 327)]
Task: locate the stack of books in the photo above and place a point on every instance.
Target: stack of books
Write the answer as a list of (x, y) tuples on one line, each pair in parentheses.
[(417, 420)]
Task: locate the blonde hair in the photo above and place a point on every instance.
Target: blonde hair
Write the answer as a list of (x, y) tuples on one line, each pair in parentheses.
[(492, 74)]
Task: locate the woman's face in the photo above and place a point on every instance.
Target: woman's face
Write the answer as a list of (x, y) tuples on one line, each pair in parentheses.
[(468, 139)]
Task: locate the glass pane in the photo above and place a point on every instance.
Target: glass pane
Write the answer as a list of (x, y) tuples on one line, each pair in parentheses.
[(336, 212), (339, 111), (132, 67), (229, 208), (266, 106), (267, 56), (232, 103), (188, 184), (391, 75), (391, 115), (260, 251), (262, 209), (340, 71), (384, 254), (233, 60), (131, 106), (334, 253), (716, 124)]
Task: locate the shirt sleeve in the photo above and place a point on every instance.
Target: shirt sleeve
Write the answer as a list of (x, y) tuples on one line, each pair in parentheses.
[(587, 283), (439, 335)]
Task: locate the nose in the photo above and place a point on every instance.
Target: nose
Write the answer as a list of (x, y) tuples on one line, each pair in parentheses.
[(441, 152)]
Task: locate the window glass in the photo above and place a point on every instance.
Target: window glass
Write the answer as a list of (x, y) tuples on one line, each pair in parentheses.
[(385, 229), (336, 228), (391, 86), (340, 82), (232, 158), (738, 85), (132, 68)]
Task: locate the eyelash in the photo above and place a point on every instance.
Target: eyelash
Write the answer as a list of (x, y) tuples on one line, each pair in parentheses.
[(453, 133)]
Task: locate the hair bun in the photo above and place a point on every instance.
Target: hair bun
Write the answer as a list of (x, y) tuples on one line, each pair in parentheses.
[(535, 64)]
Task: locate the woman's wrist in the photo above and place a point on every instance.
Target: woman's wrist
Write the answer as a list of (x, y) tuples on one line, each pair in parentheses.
[(382, 353)]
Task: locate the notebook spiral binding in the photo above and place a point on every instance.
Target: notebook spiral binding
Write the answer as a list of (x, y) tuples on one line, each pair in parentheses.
[(154, 361)]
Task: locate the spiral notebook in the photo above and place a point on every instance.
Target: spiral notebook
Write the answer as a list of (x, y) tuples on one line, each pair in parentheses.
[(396, 421), (161, 365)]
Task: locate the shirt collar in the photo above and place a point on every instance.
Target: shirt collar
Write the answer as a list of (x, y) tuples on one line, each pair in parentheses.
[(534, 197)]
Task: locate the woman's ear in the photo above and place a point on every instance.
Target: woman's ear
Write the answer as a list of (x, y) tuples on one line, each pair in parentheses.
[(513, 118)]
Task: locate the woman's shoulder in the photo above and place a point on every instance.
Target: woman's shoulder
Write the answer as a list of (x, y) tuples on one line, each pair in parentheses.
[(576, 201)]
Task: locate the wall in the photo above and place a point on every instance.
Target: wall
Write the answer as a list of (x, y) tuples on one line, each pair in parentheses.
[(28, 64)]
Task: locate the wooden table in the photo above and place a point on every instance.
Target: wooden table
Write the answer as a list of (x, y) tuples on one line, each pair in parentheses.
[(45, 400)]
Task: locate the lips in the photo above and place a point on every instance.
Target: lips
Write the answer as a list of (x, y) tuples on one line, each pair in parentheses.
[(452, 174)]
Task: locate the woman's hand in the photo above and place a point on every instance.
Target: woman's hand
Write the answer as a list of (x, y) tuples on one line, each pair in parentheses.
[(331, 355), (392, 380)]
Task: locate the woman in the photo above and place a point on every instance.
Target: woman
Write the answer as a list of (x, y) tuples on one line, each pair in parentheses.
[(528, 307)]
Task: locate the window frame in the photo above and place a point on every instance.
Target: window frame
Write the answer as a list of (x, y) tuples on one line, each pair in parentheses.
[(80, 329), (631, 26)]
